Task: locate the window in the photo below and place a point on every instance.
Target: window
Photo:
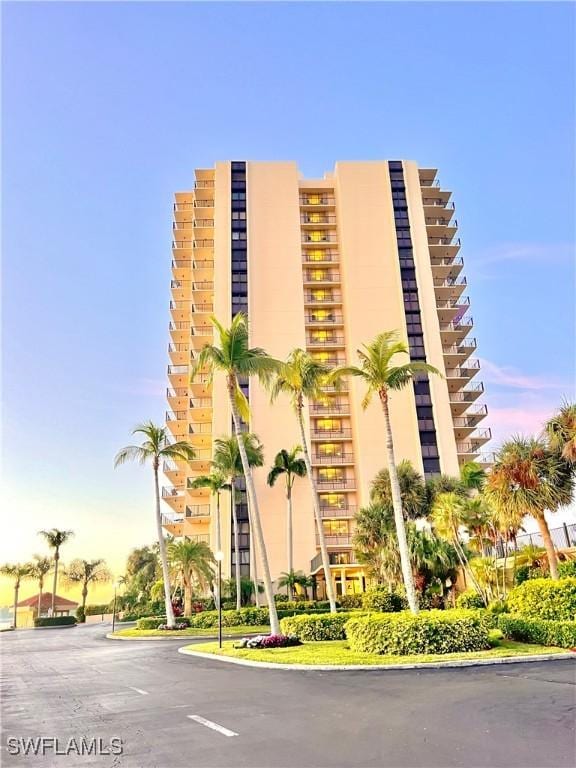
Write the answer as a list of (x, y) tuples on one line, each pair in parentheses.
[(315, 255), (336, 527), (329, 449), (238, 195), (239, 215), (322, 335), (317, 236), (329, 425), (330, 474), (238, 235), (321, 295), (333, 500), (322, 314), (317, 274)]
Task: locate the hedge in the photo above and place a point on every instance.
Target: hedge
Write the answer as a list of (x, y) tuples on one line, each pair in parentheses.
[(429, 632), (469, 600), (55, 621), (544, 599), (567, 569), (153, 622), (351, 601), (96, 610), (381, 599), (540, 631), (316, 627)]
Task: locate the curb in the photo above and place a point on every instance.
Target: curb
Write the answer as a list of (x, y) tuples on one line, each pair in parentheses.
[(207, 638), (380, 667)]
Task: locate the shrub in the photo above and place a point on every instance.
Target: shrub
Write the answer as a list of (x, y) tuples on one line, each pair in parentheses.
[(80, 615), (97, 610), (322, 604), (351, 601), (545, 599), (248, 616), (155, 622), (428, 632), (279, 641), (522, 574), (228, 605), (315, 627), (469, 600), (428, 601), (381, 599), (55, 621), (178, 625), (567, 569), (279, 598), (559, 633)]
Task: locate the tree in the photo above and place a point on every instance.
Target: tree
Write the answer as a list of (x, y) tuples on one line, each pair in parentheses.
[(527, 479), (155, 448), (412, 490), (560, 431), (291, 579), (381, 375), (375, 543), (40, 567), (193, 561), (86, 572), (235, 358), (142, 570), (17, 572), (472, 476), (288, 465), (227, 460), (247, 589), (301, 378), (55, 539)]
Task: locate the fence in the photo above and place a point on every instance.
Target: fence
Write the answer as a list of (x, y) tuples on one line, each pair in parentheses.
[(564, 536)]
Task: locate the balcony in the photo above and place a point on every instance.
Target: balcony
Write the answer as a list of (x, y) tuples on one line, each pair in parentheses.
[(332, 459), (317, 200), (446, 266), (454, 332), (453, 309), (204, 203), (327, 341), (177, 370), (200, 402), (319, 238), (463, 350), (201, 458), (335, 484), (325, 255), (324, 317), (332, 406), (171, 492), (183, 206), (472, 445), (199, 510), (311, 219), (322, 297), (201, 428), (204, 184), (336, 559), (178, 394), (317, 276), (176, 415), (439, 200), (335, 512), (344, 540), (329, 362), (449, 287), (203, 223), (199, 538)]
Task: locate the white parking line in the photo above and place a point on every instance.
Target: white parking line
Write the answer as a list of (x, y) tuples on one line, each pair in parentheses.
[(138, 690), (214, 726)]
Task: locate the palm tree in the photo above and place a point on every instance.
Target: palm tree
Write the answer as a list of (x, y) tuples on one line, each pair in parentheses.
[(86, 572), (40, 567), (227, 460), (472, 476), (375, 542), (17, 572), (290, 579), (561, 432), (412, 490), (155, 448), (288, 464), (528, 479), (234, 358), (302, 378), (381, 375), (55, 539), (193, 560)]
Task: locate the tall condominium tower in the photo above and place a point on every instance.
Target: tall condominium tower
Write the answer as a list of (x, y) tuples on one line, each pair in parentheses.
[(324, 265)]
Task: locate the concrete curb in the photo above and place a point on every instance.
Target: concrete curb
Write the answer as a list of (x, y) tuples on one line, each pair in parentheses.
[(207, 638), (380, 667)]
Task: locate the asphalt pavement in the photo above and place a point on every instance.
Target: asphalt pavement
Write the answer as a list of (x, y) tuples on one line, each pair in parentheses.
[(68, 691)]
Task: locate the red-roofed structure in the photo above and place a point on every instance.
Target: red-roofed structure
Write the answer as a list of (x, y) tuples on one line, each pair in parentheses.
[(62, 606)]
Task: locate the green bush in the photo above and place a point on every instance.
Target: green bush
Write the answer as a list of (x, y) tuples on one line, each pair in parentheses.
[(567, 569), (381, 599), (540, 631), (248, 616), (545, 599), (315, 627), (299, 611), (96, 610), (55, 621), (280, 598), (469, 600), (80, 615), (351, 601), (428, 632), (323, 604), (153, 622)]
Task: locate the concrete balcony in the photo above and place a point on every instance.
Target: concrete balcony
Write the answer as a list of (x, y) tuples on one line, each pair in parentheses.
[(344, 540), (337, 512), (334, 459)]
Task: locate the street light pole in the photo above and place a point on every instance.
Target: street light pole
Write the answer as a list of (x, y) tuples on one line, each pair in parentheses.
[(219, 556)]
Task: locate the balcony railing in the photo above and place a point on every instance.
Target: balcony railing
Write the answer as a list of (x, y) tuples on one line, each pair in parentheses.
[(167, 520), (171, 492), (337, 511), (466, 347), (200, 402), (204, 243), (467, 395), (176, 392), (204, 184), (201, 378), (176, 415), (174, 370), (335, 558), (203, 428), (330, 362), (324, 297), (331, 434), (327, 277), (312, 239), (178, 347), (203, 223), (183, 206), (344, 540), (205, 455), (201, 510), (329, 341), (450, 282), (327, 255), (314, 218), (329, 407), (203, 203), (454, 261), (437, 202), (469, 421), (345, 483), (460, 303), (326, 319), (333, 459), (444, 241), (317, 200), (464, 324), (431, 222)]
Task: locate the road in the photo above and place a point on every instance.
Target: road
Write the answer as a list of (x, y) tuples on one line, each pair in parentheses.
[(73, 683)]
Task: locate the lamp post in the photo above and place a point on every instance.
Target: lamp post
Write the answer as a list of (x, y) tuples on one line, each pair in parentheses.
[(114, 608), (219, 557)]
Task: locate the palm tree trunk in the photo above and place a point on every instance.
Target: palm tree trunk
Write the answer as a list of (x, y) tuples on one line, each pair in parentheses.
[(40, 587), (289, 543), (16, 588), (236, 546), (504, 569), (318, 517), (55, 583), (398, 514), (187, 597), (466, 565), (253, 558), (548, 545), (162, 546), (274, 623), (84, 596), (218, 547)]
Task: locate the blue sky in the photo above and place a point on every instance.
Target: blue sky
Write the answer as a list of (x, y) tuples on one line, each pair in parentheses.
[(108, 108)]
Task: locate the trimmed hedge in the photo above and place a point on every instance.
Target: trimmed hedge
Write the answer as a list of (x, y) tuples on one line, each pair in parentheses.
[(381, 599), (316, 627), (351, 601), (540, 631), (153, 622), (96, 610), (469, 600), (55, 621), (403, 634), (567, 569), (544, 599)]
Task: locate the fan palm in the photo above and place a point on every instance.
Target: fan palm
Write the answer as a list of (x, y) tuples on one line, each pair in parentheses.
[(527, 479), (288, 465), (86, 572), (301, 378), (381, 375), (561, 432), (375, 542), (290, 579), (17, 572), (155, 448), (55, 539), (472, 476), (235, 358), (40, 567), (412, 490), (193, 561), (228, 461)]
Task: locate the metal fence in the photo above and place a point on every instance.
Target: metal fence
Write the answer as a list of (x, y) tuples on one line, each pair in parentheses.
[(564, 536)]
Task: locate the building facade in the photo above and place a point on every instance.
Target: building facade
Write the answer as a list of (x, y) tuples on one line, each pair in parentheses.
[(324, 265)]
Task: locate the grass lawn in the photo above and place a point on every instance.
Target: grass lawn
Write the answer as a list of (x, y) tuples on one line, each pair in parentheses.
[(241, 631), (336, 652)]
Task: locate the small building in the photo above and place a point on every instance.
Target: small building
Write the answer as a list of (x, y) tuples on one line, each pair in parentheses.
[(62, 606)]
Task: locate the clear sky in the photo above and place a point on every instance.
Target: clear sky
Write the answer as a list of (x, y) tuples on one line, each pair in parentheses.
[(108, 108)]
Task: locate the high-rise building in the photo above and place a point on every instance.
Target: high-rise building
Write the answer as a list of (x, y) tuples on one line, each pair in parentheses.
[(324, 265)]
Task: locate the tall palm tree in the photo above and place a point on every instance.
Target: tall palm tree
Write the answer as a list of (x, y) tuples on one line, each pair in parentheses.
[(287, 464), (472, 476), (86, 572), (527, 479), (301, 378), (380, 373), (412, 490), (40, 567), (561, 432), (55, 539), (235, 358), (227, 460), (155, 448), (17, 572), (193, 561)]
